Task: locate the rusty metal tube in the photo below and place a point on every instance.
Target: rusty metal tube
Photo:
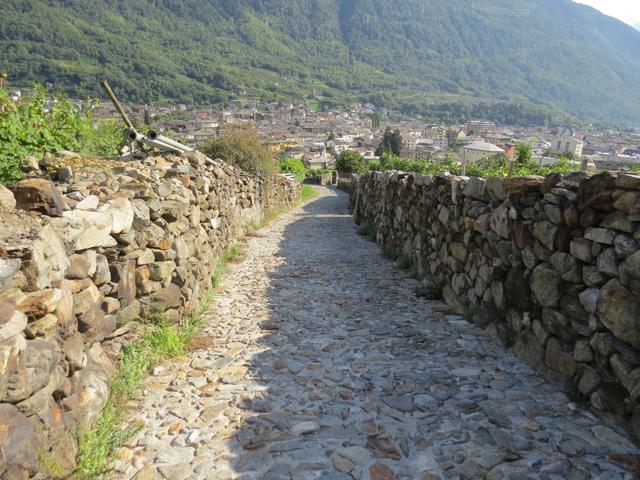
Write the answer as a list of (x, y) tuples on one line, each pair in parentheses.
[(154, 135), (133, 136)]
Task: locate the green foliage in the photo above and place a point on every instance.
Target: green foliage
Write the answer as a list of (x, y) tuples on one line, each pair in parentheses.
[(35, 125), (308, 193), (350, 161), (98, 443), (375, 120), (391, 143), (159, 341), (294, 166), (405, 263), (443, 59), (241, 147), (369, 231), (487, 167)]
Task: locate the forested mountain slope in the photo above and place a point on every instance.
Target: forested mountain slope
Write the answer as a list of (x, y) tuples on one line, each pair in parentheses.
[(403, 53)]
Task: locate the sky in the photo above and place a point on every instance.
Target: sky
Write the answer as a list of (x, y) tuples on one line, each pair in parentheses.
[(626, 10)]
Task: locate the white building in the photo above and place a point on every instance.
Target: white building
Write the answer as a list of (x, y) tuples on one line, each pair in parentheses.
[(441, 142), (564, 145), (474, 152)]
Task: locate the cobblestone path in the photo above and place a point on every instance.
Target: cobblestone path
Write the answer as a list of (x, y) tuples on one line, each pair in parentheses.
[(320, 361)]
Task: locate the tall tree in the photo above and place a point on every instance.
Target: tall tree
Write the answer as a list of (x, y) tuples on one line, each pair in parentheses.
[(391, 143)]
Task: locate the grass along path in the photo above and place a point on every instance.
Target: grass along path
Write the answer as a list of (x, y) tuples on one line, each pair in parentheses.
[(159, 342)]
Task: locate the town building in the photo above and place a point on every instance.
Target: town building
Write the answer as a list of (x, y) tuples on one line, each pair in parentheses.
[(474, 152), (567, 145)]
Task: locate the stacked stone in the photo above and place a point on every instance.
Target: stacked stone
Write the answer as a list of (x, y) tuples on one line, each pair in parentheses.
[(551, 265), (82, 261)]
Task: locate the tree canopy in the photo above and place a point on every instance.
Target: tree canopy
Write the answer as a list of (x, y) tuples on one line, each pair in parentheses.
[(350, 162)]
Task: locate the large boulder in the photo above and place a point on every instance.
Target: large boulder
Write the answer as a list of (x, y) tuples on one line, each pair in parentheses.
[(49, 262), (619, 310), (90, 229), (7, 200), (40, 195), (33, 370), (18, 445), (545, 286), (122, 214)]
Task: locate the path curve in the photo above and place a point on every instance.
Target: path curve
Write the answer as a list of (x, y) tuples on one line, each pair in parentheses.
[(321, 361)]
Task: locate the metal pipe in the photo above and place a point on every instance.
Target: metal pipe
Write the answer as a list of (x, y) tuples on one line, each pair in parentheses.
[(133, 136), (154, 135), (107, 89)]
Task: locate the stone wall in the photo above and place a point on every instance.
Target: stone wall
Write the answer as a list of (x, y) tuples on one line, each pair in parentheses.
[(550, 265), (82, 261)]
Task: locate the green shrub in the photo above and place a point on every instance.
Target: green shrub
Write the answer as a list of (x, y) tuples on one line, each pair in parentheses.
[(369, 231), (308, 192), (34, 126), (350, 162), (294, 166), (487, 167), (159, 341), (241, 146)]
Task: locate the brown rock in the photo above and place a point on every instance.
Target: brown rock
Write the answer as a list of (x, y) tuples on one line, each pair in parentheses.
[(17, 440), (148, 472), (82, 265), (40, 195), (64, 312), (597, 191), (38, 304), (42, 326), (86, 299), (559, 358), (379, 471), (383, 447), (124, 274), (524, 185)]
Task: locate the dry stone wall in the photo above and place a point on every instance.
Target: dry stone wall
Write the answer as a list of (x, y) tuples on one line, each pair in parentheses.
[(82, 260), (551, 265)]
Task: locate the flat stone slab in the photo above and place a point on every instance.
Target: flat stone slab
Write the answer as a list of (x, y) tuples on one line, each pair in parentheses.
[(323, 363)]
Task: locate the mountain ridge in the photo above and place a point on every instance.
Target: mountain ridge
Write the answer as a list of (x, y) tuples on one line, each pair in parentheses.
[(407, 54)]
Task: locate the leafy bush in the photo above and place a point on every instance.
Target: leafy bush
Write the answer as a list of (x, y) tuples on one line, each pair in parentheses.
[(294, 166), (241, 146), (487, 167), (350, 162), (35, 126)]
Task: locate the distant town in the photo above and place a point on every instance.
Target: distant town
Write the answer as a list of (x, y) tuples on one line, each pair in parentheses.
[(318, 137)]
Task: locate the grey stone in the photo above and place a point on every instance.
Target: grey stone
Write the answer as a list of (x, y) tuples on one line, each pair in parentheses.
[(581, 249), (619, 310), (545, 286), (7, 200), (600, 235), (589, 299)]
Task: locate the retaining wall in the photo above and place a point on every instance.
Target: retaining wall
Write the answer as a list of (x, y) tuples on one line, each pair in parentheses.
[(550, 265), (82, 260)]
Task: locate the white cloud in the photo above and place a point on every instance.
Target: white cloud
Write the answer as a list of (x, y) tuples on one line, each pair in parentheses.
[(626, 10)]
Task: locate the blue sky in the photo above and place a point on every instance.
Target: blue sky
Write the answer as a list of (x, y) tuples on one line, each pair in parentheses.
[(626, 10)]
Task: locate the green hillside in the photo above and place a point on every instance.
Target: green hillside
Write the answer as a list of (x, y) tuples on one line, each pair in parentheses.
[(407, 54)]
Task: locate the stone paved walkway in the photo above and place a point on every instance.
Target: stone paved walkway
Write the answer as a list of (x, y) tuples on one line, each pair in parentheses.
[(321, 362)]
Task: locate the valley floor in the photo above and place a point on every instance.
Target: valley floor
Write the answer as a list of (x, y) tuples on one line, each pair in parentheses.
[(321, 361)]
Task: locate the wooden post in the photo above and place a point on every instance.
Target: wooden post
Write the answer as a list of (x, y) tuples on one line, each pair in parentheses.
[(464, 162)]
